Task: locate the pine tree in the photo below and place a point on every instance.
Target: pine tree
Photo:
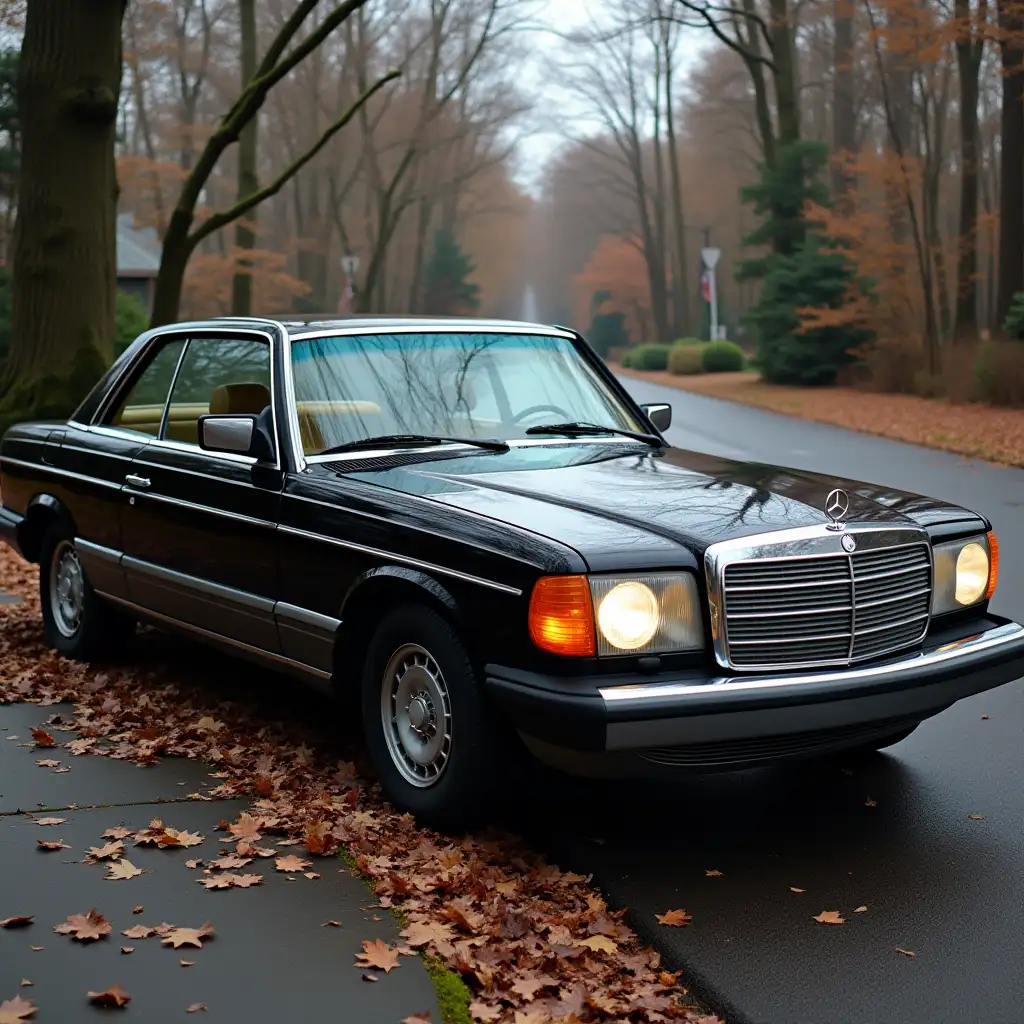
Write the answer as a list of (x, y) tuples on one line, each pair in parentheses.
[(447, 288), (803, 270)]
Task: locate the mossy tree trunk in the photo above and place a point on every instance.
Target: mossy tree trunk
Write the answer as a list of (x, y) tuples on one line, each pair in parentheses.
[(65, 259)]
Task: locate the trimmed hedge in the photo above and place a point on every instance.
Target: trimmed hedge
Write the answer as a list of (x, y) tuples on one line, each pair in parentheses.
[(722, 357), (688, 343), (685, 359), (651, 356)]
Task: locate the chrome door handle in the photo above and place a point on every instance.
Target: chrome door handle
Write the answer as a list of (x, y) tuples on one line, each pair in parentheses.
[(141, 482)]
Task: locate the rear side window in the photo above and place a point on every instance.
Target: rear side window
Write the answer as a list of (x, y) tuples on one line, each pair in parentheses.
[(143, 407)]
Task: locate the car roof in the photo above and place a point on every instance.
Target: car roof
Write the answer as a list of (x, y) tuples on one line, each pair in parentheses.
[(309, 323)]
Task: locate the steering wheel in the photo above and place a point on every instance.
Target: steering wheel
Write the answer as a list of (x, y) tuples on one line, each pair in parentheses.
[(557, 410)]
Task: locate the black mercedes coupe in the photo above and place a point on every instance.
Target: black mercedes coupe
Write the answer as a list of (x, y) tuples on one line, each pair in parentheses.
[(473, 526)]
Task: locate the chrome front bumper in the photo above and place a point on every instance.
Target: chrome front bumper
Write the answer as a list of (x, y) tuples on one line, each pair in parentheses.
[(615, 714)]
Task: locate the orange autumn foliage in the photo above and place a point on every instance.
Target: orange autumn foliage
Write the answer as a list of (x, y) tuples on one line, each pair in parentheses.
[(616, 267), (207, 290)]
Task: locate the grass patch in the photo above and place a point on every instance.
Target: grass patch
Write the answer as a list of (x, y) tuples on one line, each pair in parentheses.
[(452, 994)]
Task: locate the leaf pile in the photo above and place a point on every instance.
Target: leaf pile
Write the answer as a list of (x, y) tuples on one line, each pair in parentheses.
[(532, 942)]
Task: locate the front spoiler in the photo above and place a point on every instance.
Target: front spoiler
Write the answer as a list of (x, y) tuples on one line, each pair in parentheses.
[(610, 714)]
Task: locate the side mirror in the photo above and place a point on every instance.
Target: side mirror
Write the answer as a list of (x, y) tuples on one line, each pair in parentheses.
[(236, 435), (660, 415)]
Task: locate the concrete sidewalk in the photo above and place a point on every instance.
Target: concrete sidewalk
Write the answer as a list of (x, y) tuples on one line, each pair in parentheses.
[(271, 959)]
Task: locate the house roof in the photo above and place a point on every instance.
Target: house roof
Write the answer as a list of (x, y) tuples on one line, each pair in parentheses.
[(138, 249)]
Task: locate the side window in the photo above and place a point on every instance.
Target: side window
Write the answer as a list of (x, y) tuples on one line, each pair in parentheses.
[(143, 407), (218, 375)]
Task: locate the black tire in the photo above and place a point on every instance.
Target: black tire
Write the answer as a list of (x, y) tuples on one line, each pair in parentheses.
[(99, 630), (457, 795)]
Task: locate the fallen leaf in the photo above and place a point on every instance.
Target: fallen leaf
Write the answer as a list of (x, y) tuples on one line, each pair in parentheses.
[(138, 931), (138, 909), (122, 869), (85, 927), (247, 827), (985, 718), (378, 955), (118, 832), (311, 875), (906, 952), (50, 821), (173, 837), (713, 873), (48, 762), (793, 888), (37, 949), (25, 983), (830, 917), (599, 942), (192, 864), (674, 918), (370, 977), (228, 863), (113, 996), (109, 851), (187, 963), (43, 738), (870, 803), (860, 910), (976, 817), (127, 949), (419, 933), (52, 844), (16, 922), (195, 1008), (484, 1011), (417, 1018), (291, 863), (178, 937), (333, 924), (12, 1011)]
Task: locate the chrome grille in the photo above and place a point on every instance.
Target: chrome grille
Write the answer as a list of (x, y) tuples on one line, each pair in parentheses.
[(826, 609)]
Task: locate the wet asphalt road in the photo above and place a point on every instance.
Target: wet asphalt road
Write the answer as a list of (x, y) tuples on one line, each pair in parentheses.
[(946, 887)]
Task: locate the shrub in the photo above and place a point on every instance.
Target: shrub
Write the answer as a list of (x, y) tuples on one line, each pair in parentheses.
[(685, 359), (130, 320), (721, 357), (999, 372), (607, 331), (627, 359), (1013, 325), (687, 342), (650, 357)]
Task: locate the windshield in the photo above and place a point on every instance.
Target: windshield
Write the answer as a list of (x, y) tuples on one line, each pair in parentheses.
[(450, 384)]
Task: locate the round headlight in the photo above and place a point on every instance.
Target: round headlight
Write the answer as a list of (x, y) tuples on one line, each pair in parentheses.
[(628, 615), (971, 573)]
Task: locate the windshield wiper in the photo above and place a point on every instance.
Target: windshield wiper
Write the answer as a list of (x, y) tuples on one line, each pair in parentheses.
[(587, 429), (396, 440)]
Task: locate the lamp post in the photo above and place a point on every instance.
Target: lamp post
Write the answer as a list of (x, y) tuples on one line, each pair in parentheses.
[(710, 256), (350, 264)]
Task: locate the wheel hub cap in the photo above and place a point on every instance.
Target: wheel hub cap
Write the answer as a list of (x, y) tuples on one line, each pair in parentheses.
[(416, 714), (67, 589)]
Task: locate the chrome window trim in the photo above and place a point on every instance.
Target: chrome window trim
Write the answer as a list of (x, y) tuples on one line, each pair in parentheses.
[(803, 542), (299, 616), (196, 472), (94, 451), (911, 663), (46, 468), (403, 559)]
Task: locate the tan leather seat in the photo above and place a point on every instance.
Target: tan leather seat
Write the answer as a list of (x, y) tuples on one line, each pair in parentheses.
[(239, 399)]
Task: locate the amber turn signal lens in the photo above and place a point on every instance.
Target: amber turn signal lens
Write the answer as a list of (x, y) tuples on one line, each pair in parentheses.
[(561, 616), (993, 564)]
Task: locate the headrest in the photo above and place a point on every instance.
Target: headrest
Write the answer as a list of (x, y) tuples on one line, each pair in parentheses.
[(228, 399)]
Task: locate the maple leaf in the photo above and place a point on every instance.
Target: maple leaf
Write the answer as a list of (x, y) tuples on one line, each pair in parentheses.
[(187, 963), (674, 918), (378, 955), (291, 863), (247, 827), (195, 1007), (793, 888), (216, 881), (16, 922), (860, 910), (484, 1011), (85, 927), (113, 996), (713, 873), (906, 952), (830, 917), (229, 863), (528, 986), (419, 933), (138, 908), (109, 851), (56, 844), (416, 1018), (174, 837), (178, 937), (118, 832), (139, 931), (50, 821), (43, 738), (127, 949), (13, 1011), (192, 864), (599, 942), (531, 1017), (245, 881), (122, 869), (48, 762)]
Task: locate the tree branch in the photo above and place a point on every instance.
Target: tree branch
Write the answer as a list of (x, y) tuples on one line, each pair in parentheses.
[(218, 220)]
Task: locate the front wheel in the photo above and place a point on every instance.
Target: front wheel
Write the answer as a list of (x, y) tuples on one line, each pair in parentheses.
[(76, 621), (427, 729)]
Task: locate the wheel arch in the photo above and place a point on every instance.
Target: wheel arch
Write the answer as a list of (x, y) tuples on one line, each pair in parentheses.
[(43, 510), (369, 598)]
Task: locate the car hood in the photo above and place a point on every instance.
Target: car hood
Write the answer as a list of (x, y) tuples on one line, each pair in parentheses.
[(602, 496)]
